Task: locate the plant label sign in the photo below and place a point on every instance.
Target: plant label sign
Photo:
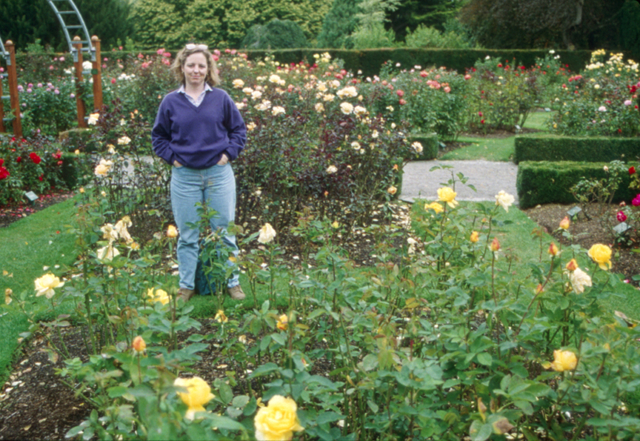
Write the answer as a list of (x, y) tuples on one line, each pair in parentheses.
[(31, 196)]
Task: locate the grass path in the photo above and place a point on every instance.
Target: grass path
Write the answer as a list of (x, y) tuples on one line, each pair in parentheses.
[(495, 149), (29, 245)]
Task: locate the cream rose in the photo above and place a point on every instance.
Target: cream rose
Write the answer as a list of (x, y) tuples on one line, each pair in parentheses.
[(46, 284)]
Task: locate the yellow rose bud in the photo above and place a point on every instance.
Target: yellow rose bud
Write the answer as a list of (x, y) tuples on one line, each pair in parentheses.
[(565, 223), (495, 245), (601, 254), (474, 237), (172, 231), (572, 265), (139, 345), (283, 322), (278, 420), (392, 190), (7, 296), (197, 395), (564, 361), (553, 249)]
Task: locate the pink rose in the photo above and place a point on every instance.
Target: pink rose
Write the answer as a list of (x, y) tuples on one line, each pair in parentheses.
[(621, 216)]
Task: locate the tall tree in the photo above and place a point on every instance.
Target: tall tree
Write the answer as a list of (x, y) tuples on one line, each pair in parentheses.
[(339, 23), (541, 23), (431, 13)]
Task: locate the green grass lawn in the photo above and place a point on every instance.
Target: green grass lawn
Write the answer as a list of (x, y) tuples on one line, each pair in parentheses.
[(494, 149), (29, 245)]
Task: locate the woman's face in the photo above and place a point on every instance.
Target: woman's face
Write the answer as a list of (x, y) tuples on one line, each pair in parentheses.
[(195, 69)]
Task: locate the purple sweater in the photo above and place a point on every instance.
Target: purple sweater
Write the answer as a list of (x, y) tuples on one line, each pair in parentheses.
[(198, 136)]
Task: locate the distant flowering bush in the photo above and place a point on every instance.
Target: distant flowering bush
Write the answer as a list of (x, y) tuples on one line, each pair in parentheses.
[(603, 101)]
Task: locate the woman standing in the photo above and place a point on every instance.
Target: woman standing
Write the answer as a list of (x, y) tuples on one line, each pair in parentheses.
[(199, 130)]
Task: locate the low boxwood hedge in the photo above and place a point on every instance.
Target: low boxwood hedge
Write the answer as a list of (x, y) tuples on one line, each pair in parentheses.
[(429, 143), (545, 182), (547, 147)]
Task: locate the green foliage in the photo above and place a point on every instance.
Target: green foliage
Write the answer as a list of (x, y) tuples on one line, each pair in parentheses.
[(338, 25), (430, 13), (277, 34), (550, 182), (171, 23), (549, 147)]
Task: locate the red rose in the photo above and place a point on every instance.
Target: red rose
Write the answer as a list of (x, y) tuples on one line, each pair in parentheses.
[(59, 162), (35, 158), (4, 173), (402, 102), (482, 121), (621, 216), (19, 159), (41, 177), (400, 93), (632, 170)]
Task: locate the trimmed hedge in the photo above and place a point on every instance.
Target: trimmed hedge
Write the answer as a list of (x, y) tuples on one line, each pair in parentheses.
[(547, 147), (430, 146), (549, 182), (369, 61)]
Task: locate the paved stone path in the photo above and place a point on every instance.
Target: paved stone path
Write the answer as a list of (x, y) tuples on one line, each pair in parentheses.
[(487, 177)]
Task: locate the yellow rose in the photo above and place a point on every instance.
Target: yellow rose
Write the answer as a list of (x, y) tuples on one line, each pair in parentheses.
[(446, 194), (572, 265), (553, 249), (7, 295), (504, 199), (434, 206), (601, 254), (160, 295), (565, 223), (392, 190), (278, 420), (474, 237), (46, 284), (564, 361), (198, 394)]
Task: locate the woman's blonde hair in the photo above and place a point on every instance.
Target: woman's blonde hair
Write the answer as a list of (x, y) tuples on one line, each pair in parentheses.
[(212, 78)]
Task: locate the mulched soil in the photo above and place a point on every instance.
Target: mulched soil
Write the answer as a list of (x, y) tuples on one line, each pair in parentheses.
[(14, 212), (36, 404), (587, 232)]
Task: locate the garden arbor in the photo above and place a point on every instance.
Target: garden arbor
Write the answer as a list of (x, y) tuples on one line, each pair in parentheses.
[(71, 21)]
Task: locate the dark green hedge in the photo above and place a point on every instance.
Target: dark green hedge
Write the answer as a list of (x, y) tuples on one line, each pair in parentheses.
[(549, 182), (369, 61), (430, 146), (548, 147)]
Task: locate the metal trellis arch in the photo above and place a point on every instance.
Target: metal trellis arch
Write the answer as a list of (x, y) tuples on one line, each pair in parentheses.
[(71, 11)]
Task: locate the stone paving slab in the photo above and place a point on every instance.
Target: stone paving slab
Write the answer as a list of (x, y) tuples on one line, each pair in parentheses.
[(488, 177)]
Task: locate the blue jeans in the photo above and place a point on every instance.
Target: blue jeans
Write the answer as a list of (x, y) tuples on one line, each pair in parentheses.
[(215, 186)]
